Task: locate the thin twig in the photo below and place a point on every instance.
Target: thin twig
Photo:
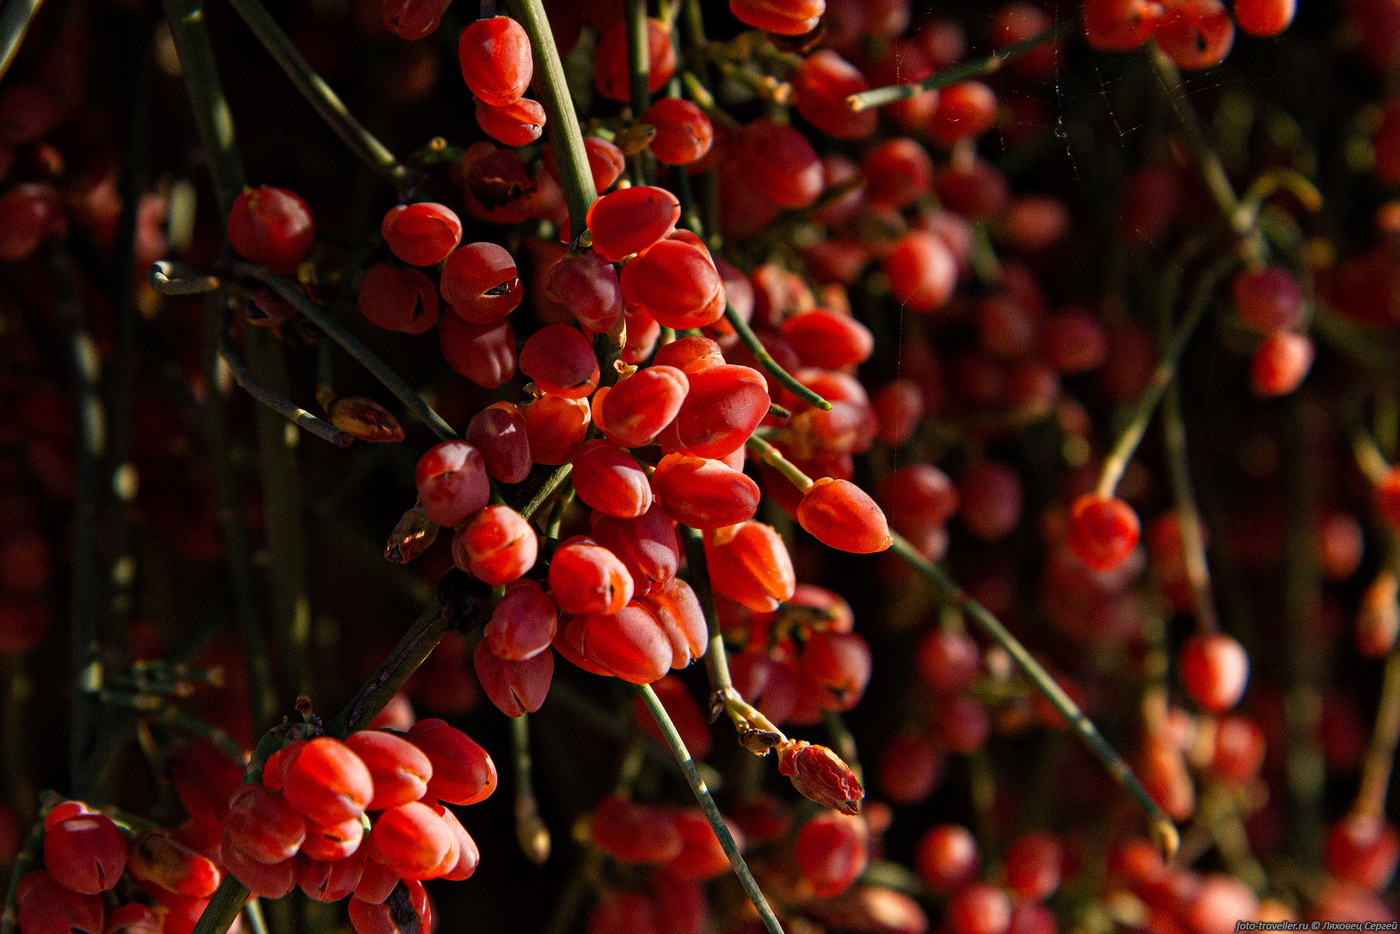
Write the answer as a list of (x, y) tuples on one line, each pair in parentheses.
[(1127, 444), (1163, 830), (1188, 514), (1380, 755), (879, 97), (279, 404), (15, 19), (769, 365), (530, 830), (319, 94), (353, 346), (561, 125), (707, 804)]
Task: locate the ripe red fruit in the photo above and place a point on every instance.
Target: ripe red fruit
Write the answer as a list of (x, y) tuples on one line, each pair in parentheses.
[(842, 515), (629, 644), (724, 405), (523, 623), (749, 563), (703, 494), (421, 234), (946, 858), (463, 772), (498, 432), (612, 76), (1196, 33), (980, 908), (785, 17), (452, 482), (86, 853), (646, 546), (588, 285), (678, 613), (966, 109), (605, 161), (483, 353), (556, 427), (46, 906), (821, 86), (412, 19), (1120, 25), (1280, 363), (157, 858), (400, 770), (632, 832), (515, 687), (497, 546), (1363, 848), (561, 361), (683, 132), (1214, 671), (263, 825), (838, 665), (1103, 531), (700, 856), (271, 226), (327, 782), (922, 271), (635, 410), (631, 219), (831, 852), (909, 768), (677, 283), (1268, 298), (398, 299), (1388, 496), (610, 480), (494, 54), (1034, 865), (480, 282), (781, 164), (585, 578), (518, 123), (412, 840), (828, 339), (1265, 17)]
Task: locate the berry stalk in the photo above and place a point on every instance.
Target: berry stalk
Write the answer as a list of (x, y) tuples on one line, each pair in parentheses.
[(879, 97), (279, 403), (707, 804), (319, 94)]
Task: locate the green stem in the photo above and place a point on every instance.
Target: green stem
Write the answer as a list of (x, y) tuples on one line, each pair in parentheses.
[(1188, 514), (551, 486), (1380, 755), (638, 63), (707, 804), (1208, 163), (769, 365), (278, 403), (415, 646), (353, 346), (561, 125), (1127, 444), (1163, 830), (879, 97), (775, 459), (319, 94), (530, 830), (15, 19)]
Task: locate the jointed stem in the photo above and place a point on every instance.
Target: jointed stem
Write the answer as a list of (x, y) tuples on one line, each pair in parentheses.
[(769, 365), (707, 804), (1188, 515), (1162, 827), (319, 94), (278, 403), (353, 346), (879, 97), (530, 831), (1380, 755), (1127, 444)]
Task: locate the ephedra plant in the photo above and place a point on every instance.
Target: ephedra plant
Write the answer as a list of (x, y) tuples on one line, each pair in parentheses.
[(856, 465)]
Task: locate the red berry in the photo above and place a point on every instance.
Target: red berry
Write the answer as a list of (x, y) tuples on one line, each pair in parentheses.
[(86, 853), (683, 132), (523, 623), (612, 76), (421, 234), (327, 782), (610, 480), (1268, 298), (842, 515), (946, 858), (786, 17), (585, 578), (463, 772), (831, 852), (399, 769), (271, 226), (497, 546), (632, 219), (1280, 363), (560, 360), (495, 57), (1103, 531), (412, 840), (452, 482), (1214, 670), (1196, 33), (398, 299), (1265, 17), (518, 123), (516, 687), (480, 282)]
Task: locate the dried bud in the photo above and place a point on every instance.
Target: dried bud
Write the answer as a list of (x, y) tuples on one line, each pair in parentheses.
[(759, 742), (365, 419), (821, 775), (411, 537), (635, 138)]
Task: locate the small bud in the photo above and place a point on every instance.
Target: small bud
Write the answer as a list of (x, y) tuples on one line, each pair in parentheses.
[(365, 419), (821, 775), (411, 537), (635, 138)]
